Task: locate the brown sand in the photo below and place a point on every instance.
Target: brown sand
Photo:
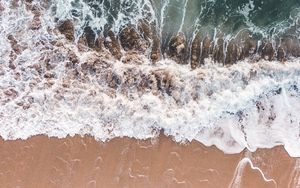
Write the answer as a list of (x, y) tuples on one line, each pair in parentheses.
[(83, 162)]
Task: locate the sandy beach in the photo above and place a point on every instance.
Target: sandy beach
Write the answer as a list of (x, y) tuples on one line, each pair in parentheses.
[(122, 162)]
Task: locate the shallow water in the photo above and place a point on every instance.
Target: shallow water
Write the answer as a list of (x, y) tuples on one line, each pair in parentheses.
[(122, 162)]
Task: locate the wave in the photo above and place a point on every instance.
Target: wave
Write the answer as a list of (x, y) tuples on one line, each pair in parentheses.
[(54, 86)]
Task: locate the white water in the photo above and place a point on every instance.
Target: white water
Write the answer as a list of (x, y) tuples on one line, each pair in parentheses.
[(233, 107)]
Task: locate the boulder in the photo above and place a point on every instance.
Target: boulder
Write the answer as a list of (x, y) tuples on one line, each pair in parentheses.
[(155, 51), (112, 44), (130, 39), (205, 49), (231, 53), (218, 53), (177, 48), (268, 51), (67, 29), (196, 51)]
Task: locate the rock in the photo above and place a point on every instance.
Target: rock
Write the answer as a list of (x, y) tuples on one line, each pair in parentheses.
[(113, 80), (218, 53), (196, 51), (205, 49), (36, 23), (161, 82), (82, 43), (145, 30), (177, 48), (292, 46), (130, 39), (231, 53), (90, 36), (11, 93), (73, 59), (249, 48), (49, 75), (67, 29), (155, 51), (280, 54), (268, 52), (87, 39), (1, 8), (14, 44), (99, 44), (113, 45), (11, 65)]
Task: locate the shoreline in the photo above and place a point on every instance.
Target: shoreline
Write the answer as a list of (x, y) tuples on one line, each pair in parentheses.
[(84, 162)]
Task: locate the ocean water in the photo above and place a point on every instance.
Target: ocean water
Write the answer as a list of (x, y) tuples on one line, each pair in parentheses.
[(52, 86)]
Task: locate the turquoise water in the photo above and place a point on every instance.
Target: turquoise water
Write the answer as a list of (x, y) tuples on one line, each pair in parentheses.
[(262, 17)]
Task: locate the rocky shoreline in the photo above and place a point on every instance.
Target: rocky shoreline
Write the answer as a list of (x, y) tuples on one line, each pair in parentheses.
[(143, 39)]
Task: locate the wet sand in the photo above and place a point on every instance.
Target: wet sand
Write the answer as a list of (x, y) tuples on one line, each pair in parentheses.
[(122, 162)]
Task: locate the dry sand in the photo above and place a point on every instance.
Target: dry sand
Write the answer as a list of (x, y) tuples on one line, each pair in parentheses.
[(122, 162)]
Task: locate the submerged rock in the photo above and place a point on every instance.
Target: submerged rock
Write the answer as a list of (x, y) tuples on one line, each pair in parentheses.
[(177, 48), (155, 51), (99, 44), (90, 36), (67, 29), (280, 54), (145, 29), (291, 46), (113, 45), (196, 51), (130, 39), (218, 53), (248, 48), (231, 53), (205, 49), (268, 52)]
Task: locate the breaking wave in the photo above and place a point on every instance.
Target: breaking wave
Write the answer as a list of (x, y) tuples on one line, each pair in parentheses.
[(54, 86)]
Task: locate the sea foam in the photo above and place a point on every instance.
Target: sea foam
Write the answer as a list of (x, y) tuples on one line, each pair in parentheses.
[(247, 105)]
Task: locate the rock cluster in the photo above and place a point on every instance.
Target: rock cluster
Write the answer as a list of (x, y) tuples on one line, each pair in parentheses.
[(143, 39)]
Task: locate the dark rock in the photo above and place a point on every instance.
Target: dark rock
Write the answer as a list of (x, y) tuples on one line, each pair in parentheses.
[(280, 54), (218, 52), (49, 75), (196, 51), (177, 48), (161, 81), (90, 36), (205, 49), (249, 48), (36, 23), (292, 47), (87, 38), (73, 59), (268, 52), (1, 8), (11, 65), (14, 44), (82, 43), (145, 30), (99, 44), (130, 39), (231, 53), (67, 28), (113, 80), (113, 45), (11, 93), (155, 51)]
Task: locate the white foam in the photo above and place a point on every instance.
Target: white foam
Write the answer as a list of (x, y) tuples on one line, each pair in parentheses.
[(248, 105)]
